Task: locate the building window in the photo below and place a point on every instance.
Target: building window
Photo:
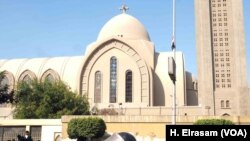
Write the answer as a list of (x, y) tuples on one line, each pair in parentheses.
[(50, 75), (227, 104), (129, 84), (98, 87), (222, 104), (50, 78), (113, 79), (27, 79), (4, 82)]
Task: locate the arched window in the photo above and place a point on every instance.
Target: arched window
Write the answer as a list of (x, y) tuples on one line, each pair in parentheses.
[(98, 87), (222, 104), (27, 76), (7, 79), (227, 104), (50, 75), (113, 79), (4, 82), (129, 77), (50, 78), (27, 79)]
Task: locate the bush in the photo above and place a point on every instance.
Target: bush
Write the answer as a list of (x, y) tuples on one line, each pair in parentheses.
[(84, 128), (47, 99), (213, 122)]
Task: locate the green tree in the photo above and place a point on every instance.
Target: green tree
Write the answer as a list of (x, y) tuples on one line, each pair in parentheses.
[(86, 128), (47, 100), (6, 95), (213, 122)]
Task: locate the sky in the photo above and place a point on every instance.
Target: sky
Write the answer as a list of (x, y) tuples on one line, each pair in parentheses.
[(51, 28)]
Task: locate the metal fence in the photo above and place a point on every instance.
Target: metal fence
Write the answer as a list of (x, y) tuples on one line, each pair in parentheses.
[(9, 133)]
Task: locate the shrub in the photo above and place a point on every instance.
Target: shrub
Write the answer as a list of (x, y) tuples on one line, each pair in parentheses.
[(213, 122), (84, 128)]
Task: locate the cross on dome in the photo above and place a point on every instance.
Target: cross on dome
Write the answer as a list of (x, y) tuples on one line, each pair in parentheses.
[(124, 8)]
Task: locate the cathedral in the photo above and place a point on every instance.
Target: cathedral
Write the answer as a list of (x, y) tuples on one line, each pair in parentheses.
[(120, 67)]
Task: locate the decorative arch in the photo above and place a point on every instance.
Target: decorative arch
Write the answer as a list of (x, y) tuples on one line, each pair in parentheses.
[(51, 75), (27, 75), (99, 50), (225, 115)]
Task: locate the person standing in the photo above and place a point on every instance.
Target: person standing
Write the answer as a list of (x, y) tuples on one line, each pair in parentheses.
[(27, 136)]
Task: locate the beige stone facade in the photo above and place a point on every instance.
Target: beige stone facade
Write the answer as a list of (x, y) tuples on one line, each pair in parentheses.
[(221, 57)]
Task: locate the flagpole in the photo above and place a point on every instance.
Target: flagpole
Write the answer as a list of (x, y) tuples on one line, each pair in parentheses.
[(174, 53)]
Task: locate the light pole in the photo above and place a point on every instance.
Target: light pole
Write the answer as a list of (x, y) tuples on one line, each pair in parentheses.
[(172, 67)]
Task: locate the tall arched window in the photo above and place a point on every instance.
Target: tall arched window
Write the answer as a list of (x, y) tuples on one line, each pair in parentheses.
[(129, 77), (113, 79), (98, 87)]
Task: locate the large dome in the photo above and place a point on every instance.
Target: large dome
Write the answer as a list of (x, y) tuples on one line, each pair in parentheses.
[(126, 26)]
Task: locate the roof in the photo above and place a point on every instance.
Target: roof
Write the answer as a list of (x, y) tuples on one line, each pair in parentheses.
[(124, 25)]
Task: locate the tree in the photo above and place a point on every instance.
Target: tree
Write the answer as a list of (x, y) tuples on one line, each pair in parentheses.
[(86, 128), (6, 95), (47, 100), (213, 122)]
